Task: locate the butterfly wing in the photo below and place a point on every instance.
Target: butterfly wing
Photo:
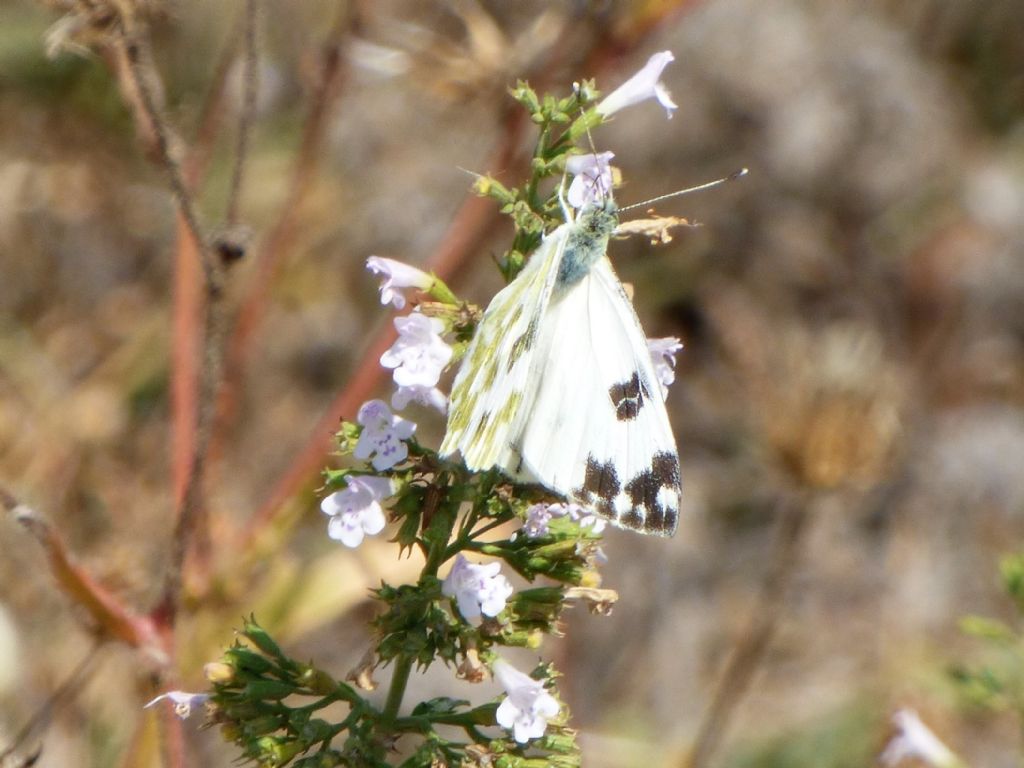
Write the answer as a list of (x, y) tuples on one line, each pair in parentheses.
[(598, 432), (491, 394)]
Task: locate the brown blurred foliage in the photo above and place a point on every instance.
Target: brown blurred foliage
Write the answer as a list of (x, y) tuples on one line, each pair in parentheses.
[(853, 314)]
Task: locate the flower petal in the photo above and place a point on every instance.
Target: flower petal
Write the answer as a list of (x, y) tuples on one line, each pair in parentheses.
[(640, 87), (396, 275), (183, 701)]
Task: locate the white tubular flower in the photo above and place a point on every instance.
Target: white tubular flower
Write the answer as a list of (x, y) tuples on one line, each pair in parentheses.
[(182, 700), (914, 739), (527, 707), (663, 355), (644, 85), (382, 435), (355, 511), (477, 589), (592, 179), (430, 396), (419, 355), (394, 276)]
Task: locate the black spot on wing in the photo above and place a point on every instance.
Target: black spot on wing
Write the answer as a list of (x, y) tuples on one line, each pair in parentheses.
[(647, 512), (600, 486), (632, 519), (628, 397)]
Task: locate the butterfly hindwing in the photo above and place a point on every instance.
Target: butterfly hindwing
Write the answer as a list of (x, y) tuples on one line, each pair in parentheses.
[(598, 431), (490, 395)]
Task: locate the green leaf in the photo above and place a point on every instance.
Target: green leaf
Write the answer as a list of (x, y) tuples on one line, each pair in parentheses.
[(442, 705), (986, 629)]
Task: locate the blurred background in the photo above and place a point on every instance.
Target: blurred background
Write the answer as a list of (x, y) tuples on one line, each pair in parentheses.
[(849, 405)]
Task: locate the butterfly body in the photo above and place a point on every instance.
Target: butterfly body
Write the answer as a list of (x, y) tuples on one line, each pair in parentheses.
[(558, 388)]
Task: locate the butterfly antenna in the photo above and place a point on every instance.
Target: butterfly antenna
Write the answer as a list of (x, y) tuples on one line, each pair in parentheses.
[(699, 188), (474, 174), (593, 146)]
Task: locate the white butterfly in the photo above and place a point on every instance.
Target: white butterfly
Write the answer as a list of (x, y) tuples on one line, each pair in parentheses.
[(557, 386)]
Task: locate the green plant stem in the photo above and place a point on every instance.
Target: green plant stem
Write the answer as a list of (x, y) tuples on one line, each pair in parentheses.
[(491, 526), (400, 679), (442, 526)]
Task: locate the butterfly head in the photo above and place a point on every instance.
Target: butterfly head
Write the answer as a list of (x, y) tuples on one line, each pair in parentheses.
[(600, 218)]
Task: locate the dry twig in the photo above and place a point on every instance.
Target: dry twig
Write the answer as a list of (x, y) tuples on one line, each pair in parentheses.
[(749, 650)]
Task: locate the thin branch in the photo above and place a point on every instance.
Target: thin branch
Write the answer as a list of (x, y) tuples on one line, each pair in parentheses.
[(250, 77), (113, 618), (187, 301), (186, 330), (212, 111), (748, 653), (190, 529), (71, 686), (198, 393), (129, 46)]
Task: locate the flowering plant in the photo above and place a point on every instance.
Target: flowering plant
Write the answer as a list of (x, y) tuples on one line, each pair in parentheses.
[(473, 530)]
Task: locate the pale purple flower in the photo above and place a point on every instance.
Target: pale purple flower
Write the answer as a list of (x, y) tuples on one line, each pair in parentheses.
[(182, 700), (395, 276), (355, 511), (585, 518), (914, 739), (430, 396), (527, 706), (538, 516), (382, 435), (477, 589), (592, 179), (644, 85), (419, 354), (663, 355)]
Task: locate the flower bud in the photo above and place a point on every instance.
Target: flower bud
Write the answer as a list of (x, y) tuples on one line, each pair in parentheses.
[(246, 660), (262, 640), (279, 751), (219, 672), (318, 681)]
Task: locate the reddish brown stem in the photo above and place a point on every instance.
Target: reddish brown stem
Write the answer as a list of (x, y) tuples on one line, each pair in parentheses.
[(112, 617), (188, 303), (188, 297)]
